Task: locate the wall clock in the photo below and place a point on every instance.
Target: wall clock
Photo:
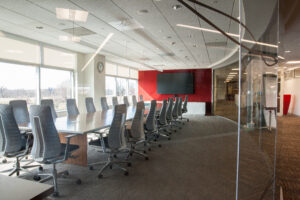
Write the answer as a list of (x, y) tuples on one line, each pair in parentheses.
[(100, 66)]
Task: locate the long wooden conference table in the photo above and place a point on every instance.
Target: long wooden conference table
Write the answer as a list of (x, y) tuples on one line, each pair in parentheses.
[(83, 124)]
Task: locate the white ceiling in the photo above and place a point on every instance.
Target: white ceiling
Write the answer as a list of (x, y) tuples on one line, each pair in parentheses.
[(145, 48)]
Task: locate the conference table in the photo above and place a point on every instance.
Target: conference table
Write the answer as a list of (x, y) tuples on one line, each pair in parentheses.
[(83, 124), (14, 188)]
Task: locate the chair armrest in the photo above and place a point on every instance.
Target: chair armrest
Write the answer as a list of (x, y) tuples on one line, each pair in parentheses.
[(68, 137)]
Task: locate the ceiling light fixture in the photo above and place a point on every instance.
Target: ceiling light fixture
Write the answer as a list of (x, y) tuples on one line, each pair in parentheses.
[(98, 50), (293, 62), (233, 73), (72, 15), (231, 34), (287, 51), (176, 7), (39, 27), (235, 69), (143, 11), (66, 38), (281, 57)]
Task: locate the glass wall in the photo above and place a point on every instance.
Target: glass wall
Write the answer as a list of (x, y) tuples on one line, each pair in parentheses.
[(24, 75)]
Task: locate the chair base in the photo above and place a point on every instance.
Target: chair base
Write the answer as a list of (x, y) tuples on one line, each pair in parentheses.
[(18, 168)]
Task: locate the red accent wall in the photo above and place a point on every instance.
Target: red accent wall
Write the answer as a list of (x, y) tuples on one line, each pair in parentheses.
[(202, 85)]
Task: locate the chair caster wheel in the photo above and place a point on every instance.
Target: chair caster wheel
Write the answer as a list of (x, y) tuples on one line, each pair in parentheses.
[(159, 145), (126, 173), (26, 157), (4, 161), (100, 176), (36, 178), (78, 182), (110, 167), (155, 140), (175, 131), (55, 194), (145, 151), (169, 138), (133, 147), (146, 158), (115, 156), (41, 168), (130, 154), (91, 167), (188, 120), (66, 173), (149, 149), (129, 164)]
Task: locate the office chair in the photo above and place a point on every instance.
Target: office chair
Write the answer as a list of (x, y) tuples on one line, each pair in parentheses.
[(12, 142), (150, 126), (169, 115), (115, 101), (179, 112), (125, 100), (184, 108), (47, 148), (134, 101), (136, 133), (72, 107), (116, 142), (89, 104), (175, 113), (162, 123), (49, 102), (20, 111), (141, 98), (104, 105)]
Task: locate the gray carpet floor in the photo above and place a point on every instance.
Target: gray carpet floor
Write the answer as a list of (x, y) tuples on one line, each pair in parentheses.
[(198, 163)]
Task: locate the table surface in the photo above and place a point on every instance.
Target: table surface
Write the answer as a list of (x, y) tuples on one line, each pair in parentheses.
[(87, 122), (14, 188)]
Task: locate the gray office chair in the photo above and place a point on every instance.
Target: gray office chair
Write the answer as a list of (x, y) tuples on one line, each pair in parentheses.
[(175, 113), (49, 102), (20, 111), (150, 125), (162, 121), (134, 101), (89, 104), (179, 112), (116, 142), (136, 133), (169, 115), (115, 101), (104, 105), (125, 100), (47, 148), (141, 98), (184, 109), (72, 107), (13, 144)]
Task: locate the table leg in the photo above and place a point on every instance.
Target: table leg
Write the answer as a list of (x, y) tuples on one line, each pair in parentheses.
[(81, 153)]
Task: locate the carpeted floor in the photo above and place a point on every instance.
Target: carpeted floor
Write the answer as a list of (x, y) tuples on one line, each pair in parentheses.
[(198, 163)]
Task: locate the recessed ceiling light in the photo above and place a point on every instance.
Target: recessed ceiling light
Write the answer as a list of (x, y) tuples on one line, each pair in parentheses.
[(194, 45), (177, 7), (66, 38), (235, 69), (39, 27), (287, 51), (143, 11), (72, 15), (173, 43)]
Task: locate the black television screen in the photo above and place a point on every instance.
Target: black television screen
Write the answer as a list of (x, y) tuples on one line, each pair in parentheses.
[(175, 83)]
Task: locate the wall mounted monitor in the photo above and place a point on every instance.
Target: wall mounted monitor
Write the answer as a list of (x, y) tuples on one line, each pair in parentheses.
[(175, 83)]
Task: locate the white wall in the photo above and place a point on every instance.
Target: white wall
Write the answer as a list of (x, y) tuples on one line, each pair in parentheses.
[(292, 87), (90, 83)]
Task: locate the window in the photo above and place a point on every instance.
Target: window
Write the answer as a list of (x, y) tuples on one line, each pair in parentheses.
[(20, 51), (56, 85), (111, 69), (122, 86), (123, 71), (133, 87), (17, 82), (134, 74), (57, 58)]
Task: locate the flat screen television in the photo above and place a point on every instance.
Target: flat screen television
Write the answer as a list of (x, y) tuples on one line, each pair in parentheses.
[(175, 83)]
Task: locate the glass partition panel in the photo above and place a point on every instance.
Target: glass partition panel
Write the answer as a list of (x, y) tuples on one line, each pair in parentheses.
[(258, 107)]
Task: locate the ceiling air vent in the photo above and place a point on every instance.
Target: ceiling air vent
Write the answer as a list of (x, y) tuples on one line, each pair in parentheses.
[(167, 54), (126, 25), (79, 31)]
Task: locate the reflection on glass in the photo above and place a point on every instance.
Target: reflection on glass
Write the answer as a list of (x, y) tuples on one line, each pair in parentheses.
[(17, 82)]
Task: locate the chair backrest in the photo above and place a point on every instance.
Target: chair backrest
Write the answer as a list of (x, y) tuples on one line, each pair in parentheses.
[(72, 107), (179, 112), (89, 104), (20, 111), (151, 118), (141, 98), (10, 136), (175, 108), (134, 101), (115, 101), (49, 102), (125, 100), (169, 109), (116, 136), (137, 127), (163, 113), (104, 105), (46, 144), (184, 108)]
